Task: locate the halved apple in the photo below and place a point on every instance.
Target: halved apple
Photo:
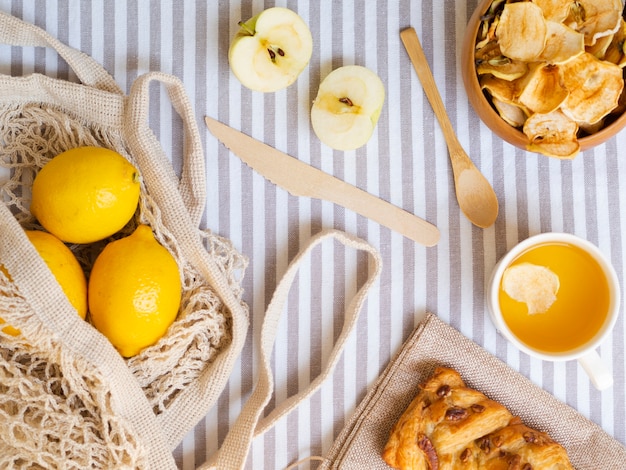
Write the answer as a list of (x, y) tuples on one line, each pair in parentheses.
[(347, 107), (270, 50)]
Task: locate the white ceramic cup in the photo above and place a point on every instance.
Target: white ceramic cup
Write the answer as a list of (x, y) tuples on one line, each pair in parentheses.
[(586, 353)]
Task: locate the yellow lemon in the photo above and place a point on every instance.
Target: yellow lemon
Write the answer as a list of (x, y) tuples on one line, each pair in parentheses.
[(85, 194), (134, 291), (65, 268)]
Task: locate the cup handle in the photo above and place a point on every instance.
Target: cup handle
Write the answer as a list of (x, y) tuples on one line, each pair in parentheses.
[(597, 371)]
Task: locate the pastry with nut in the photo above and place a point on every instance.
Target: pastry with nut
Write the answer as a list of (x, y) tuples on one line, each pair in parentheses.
[(451, 426)]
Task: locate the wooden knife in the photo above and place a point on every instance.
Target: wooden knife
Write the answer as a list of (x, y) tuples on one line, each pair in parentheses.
[(301, 179)]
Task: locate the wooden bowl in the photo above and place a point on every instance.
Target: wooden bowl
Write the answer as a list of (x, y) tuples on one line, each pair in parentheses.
[(483, 107)]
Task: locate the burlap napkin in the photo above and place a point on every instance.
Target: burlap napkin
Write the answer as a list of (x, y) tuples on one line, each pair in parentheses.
[(434, 343)]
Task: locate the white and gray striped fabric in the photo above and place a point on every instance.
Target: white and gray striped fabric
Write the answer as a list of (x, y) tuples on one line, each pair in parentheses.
[(405, 162)]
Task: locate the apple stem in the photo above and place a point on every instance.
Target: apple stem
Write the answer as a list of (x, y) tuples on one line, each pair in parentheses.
[(246, 28)]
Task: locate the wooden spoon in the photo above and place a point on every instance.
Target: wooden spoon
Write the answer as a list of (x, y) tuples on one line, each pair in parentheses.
[(474, 194)]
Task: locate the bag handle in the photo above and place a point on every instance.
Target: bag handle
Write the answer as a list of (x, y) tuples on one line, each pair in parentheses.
[(15, 32), (192, 183), (236, 445)]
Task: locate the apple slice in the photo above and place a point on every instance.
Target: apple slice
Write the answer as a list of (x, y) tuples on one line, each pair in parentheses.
[(270, 50), (347, 107)]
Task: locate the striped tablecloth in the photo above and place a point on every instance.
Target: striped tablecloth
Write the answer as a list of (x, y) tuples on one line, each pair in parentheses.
[(405, 162)]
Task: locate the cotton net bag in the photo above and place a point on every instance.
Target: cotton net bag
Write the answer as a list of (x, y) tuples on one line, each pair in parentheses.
[(67, 398)]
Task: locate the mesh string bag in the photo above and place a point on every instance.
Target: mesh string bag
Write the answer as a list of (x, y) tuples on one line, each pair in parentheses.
[(67, 399)]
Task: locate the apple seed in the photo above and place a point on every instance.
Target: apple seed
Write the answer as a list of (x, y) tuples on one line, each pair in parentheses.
[(272, 53), (346, 100)]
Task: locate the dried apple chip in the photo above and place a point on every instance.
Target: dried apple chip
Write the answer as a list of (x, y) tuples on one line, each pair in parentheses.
[(561, 150), (487, 32), (489, 21), (503, 68), (543, 90), (504, 90), (512, 114), (554, 10), (599, 18), (594, 88), (562, 43), (522, 31), (615, 51), (552, 134), (535, 285), (487, 51), (489, 59), (600, 48)]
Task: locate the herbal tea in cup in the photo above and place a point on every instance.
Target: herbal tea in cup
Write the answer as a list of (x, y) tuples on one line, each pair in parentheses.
[(556, 297)]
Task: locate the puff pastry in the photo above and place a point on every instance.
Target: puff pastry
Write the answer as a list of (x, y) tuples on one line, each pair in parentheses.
[(451, 426)]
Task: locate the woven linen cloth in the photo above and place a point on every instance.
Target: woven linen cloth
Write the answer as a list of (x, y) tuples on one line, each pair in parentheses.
[(435, 343)]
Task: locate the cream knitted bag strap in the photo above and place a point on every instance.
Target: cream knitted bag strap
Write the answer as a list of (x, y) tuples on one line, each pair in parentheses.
[(15, 32), (192, 182), (236, 445), (181, 215)]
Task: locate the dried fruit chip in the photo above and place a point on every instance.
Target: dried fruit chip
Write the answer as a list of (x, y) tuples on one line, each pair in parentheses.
[(615, 51), (576, 16), (554, 10), (595, 87), (601, 46), (513, 114), (600, 18), (504, 90), (487, 51), (503, 68), (562, 43), (543, 91), (552, 134), (487, 31), (489, 59), (563, 150), (522, 31), (535, 285)]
